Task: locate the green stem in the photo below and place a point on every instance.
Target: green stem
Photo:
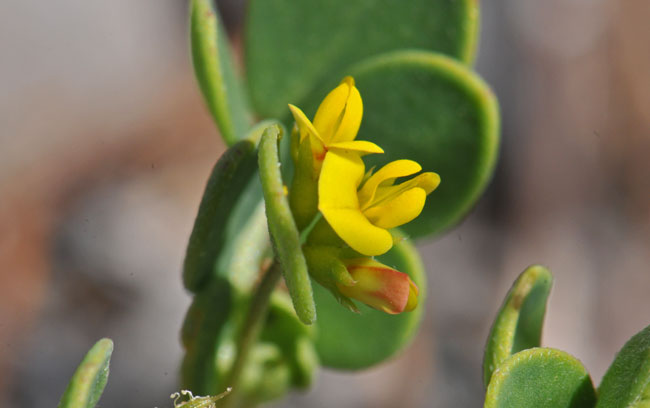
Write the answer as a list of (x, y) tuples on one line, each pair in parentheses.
[(251, 328)]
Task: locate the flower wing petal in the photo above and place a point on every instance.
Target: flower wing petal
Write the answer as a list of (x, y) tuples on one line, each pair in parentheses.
[(399, 210), (389, 172), (427, 181)]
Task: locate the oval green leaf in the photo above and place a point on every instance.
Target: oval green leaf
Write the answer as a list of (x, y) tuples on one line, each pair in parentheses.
[(292, 45), (540, 378), (215, 72), (351, 341), (518, 325), (88, 382), (282, 227), (229, 201), (432, 109), (626, 383)]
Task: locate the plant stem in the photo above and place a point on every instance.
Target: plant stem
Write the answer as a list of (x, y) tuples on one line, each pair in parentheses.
[(251, 328)]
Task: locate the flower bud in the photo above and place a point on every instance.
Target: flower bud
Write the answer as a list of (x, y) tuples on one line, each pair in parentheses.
[(380, 286)]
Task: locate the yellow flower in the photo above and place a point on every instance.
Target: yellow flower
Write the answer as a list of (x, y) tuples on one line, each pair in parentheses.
[(380, 286), (335, 125), (361, 209)]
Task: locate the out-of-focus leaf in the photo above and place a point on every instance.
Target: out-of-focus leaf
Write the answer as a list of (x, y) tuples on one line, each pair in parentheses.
[(215, 73), (282, 227), (207, 319), (626, 383), (292, 45), (294, 339), (540, 378), (88, 382), (353, 341), (230, 198), (518, 325)]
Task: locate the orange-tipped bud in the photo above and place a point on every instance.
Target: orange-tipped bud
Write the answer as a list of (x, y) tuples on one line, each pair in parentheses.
[(380, 286)]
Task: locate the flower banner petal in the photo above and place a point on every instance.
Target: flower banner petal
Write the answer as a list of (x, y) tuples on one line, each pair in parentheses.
[(331, 111)]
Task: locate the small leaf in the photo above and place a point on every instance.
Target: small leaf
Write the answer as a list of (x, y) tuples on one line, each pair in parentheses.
[(540, 378), (215, 73), (230, 199), (282, 227), (293, 45), (88, 382), (626, 383), (352, 341), (518, 325)]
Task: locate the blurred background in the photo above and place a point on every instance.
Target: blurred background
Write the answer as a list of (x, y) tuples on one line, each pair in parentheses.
[(105, 147)]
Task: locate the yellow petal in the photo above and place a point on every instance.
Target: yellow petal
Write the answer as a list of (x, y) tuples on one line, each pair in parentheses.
[(360, 146), (351, 120), (426, 181), (388, 173), (331, 111), (399, 210), (412, 302), (355, 229), (304, 124), (340, 176), (306, 128)]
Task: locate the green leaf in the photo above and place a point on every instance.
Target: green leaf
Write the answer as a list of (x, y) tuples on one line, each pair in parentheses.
[(203, 329), (215, 73), (518, 325), (351, 341), (540, 378), (282, 227), (88, 382), (432, 109), (229, 201), (292, 45), (626, 383)]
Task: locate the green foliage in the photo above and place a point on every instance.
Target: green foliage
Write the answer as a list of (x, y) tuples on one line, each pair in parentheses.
[(627, 382), (88, 382), (518, 325), (292, 45), (540, 378), (352, 341), (229, 200), (282, 227), (203, 328), (215, 73)]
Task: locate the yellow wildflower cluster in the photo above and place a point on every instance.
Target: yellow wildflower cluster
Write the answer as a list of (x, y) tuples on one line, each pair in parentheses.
[(359, 208)]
